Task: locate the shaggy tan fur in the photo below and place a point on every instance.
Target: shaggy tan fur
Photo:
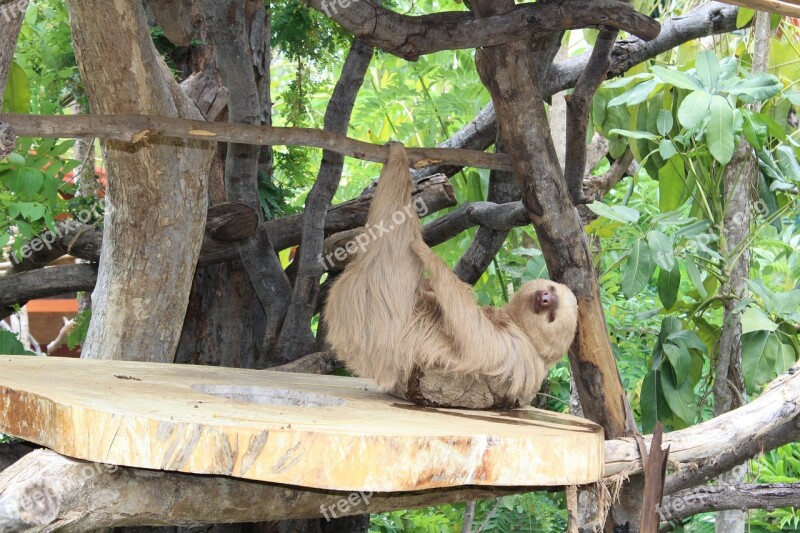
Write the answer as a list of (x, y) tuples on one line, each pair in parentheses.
[(383, 316)]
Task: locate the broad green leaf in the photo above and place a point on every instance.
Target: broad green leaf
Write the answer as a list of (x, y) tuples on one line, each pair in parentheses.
[(785, 359), (652, 402), (11, 345), (754, 130), (793, 97), (695, 277), (669, 281), (694, 109), (661, 250), (666, 149), (16, 159), (636, 94), (755, 319), (619, 213), (680, 359), (744, 16), (689, 339), (787, 162), (638, 269), (707, 67), (759, 353), (664, 122), (17, 98), (672, 185), (720, 130), (786, 304), (679, 79), (680, 398), (757, 88), (634, 134)]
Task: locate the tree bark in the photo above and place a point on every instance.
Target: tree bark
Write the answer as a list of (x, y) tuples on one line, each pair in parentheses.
[(739, 183), (156, 192), (411, 36), (297, 338)]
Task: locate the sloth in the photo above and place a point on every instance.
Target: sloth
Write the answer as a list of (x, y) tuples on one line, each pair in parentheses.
[(387, 321)]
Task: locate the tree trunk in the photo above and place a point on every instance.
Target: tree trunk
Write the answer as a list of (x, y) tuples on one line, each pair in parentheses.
[(739, 182), (509, 71), (156, 192)]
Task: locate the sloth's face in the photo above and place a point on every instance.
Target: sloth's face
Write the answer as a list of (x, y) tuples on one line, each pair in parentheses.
[(546, 301)]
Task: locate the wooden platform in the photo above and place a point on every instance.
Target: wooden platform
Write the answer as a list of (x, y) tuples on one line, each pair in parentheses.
[(324, 432)]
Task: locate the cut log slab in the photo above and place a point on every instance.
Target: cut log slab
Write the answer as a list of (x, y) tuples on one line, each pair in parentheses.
[(324, 432)]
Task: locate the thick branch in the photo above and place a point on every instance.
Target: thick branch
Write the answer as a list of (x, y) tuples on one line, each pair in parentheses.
[(19, 288), (578, 104), (769, 421), (709, 19), (88, 496), (135, 128), (487, 242), (435, 193), (296, 336), (412, 36), (728, 497)]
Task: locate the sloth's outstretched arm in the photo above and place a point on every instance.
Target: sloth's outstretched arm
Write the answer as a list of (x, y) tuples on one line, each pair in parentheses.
[(485, 346)]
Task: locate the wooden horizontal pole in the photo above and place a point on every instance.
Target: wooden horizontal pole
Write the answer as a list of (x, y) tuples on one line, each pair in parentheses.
[(136, 129), (790, 9)]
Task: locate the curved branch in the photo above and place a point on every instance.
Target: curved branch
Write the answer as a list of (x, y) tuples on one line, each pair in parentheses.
[(296, 337), (728, 497), (412, 36)]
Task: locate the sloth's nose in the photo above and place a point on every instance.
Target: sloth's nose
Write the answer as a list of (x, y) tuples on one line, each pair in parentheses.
[(544, 298)]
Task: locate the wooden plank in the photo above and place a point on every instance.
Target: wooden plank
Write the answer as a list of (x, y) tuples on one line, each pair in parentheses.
[(788, 8), (327, 432)]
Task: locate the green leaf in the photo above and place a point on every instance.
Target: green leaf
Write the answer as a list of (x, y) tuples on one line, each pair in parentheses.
[(669, 281), (707, 67), (667, 149), (786, 304), (720, 130), (635, 95), (695, 277), (754, 130), (672, 192), (755, 319), (664, 122), (11, 345), (758, 88), (793, 97), (787, 162), (784, 359), (759, 354), (16, 159), (652, 402), (689, 339), (634, 134), (17, 98), (661, 250), (680, 398), (619, 213), (681, 80), (638, 269), (744, 16), (694, 109), (680, 359)]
